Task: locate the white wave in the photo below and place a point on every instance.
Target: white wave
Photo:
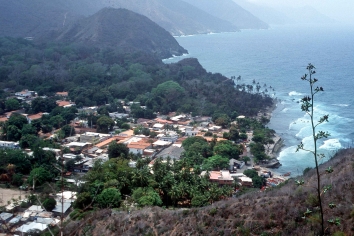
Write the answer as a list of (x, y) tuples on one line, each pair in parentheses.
[(331, 144), (294, 93), (285, 110), (341, 105)]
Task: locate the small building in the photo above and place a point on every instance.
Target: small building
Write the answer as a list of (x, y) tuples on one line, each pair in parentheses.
[(173, 151), (246, 181), (222, 177), (190, 131), (62, 94), (138, 147), (168, 136), (25, 94), (30, 227), (158, 126), (33, 117), (9, 144), (116, 115), (65, 104), (5, 217)]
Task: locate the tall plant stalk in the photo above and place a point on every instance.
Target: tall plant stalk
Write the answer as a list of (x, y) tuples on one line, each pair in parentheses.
[(307, 105)]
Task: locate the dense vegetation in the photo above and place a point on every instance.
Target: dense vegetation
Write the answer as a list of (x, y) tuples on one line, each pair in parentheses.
[(98, 76), (279, 211)]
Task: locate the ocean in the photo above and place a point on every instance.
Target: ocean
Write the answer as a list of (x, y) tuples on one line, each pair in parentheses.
[(276, 59)]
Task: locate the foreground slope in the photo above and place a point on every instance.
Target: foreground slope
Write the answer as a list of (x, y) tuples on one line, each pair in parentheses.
[(123, 29), (279, 211)]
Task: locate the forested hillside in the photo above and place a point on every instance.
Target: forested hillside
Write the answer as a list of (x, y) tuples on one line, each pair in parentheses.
[(96, 76), (122, 29)]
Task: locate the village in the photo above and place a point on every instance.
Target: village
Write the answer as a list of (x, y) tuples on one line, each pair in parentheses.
[(163, 140)]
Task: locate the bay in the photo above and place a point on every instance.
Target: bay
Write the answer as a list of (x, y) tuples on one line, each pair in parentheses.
[(278, 58)]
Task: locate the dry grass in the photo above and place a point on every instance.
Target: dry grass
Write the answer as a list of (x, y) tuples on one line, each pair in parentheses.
[(275, 212)]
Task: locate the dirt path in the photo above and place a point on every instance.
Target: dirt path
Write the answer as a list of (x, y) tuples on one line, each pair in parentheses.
[(8, 194)]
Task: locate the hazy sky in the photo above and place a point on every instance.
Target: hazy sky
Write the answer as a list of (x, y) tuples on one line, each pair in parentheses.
[(341, 10)]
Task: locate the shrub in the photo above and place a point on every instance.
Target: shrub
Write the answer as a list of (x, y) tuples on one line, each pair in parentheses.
[(49, 204)]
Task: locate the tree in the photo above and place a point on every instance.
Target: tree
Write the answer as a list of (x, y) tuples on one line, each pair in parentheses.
[(17, 120), (216, 162), (246, 159), (68, 130), (49, 204), (28, 140), (109, 198), (13, 133), (117, 150), (307, 106), (146, 197), (12, 104), (104, 124), (38, 176)]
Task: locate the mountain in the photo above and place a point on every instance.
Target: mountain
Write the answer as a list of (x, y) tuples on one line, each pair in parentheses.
[(23, 18), (265, 13), (230, 11), (177, 16), (286, 15), (121, 28)]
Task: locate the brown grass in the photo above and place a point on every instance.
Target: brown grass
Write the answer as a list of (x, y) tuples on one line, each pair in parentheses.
[(276, 212)]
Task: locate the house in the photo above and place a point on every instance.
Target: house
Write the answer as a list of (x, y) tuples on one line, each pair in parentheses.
[(62, 94), (173, 151), (37, 116), (168, 136), (77, 145), (158, 126), (91, 137), (116, 115), (30, 227), (9, 144), (139, 146), (222, 177), (161, 144), (5, 217), (26, 94), (65, 104), (246, 181), (190, 131)]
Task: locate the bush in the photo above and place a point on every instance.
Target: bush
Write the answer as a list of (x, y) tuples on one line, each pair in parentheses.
[(49, 204)]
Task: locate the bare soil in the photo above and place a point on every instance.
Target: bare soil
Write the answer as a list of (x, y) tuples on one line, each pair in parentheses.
[(7, 194)]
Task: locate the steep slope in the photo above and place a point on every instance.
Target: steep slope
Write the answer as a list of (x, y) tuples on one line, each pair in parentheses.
[(23, 18), (279, 211), (230, 11), (177, 17), (124, 29), (267, 14)]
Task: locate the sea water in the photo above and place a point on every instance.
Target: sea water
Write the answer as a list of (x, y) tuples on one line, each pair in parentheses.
[(278, 58)]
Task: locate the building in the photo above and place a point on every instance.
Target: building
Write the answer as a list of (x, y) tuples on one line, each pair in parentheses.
[(37, 116), (168, 136), (9, 144), (62, 94), (222, 177), (246, 181), (25, 94), (138, 147), (92, 137), (190, 131), (65, 104), (173, 151)]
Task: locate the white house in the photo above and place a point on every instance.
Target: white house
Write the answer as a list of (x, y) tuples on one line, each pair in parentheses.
[(9, 144)]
